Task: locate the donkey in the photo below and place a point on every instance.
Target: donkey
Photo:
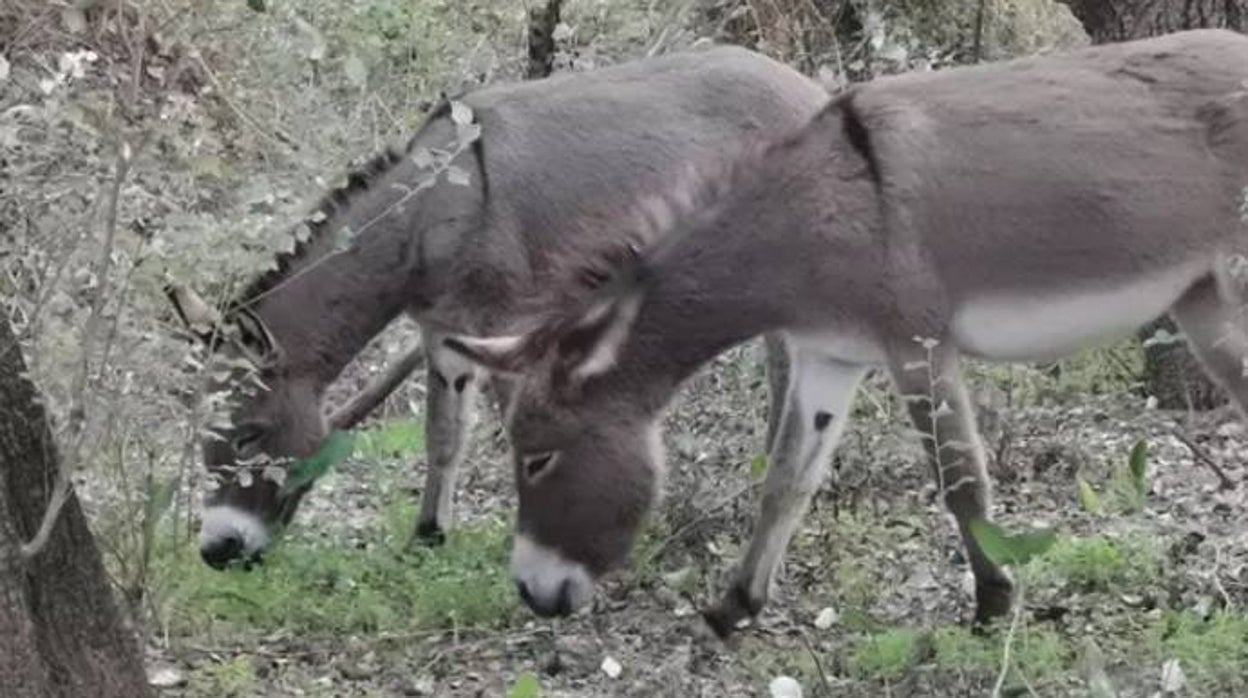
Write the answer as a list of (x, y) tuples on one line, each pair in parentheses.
[(557, 165), (1012, 211)]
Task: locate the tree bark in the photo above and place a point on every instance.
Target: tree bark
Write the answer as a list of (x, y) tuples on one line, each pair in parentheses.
[(1171, 373), (60, 630), (1123, 20)]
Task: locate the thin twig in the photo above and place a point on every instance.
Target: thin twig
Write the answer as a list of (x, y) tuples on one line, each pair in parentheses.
[(823, 676), (1009, 643), (62, 486), (1202, 456)]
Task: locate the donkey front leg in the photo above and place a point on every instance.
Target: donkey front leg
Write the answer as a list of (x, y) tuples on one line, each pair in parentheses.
[(449, 415), (928, 381), (816, 410)]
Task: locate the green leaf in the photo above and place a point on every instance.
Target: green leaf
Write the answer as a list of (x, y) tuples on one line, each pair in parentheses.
[(1088, 498), (336, 447), (1138, 463), (1011, 549), (526, 686), (758, 466)]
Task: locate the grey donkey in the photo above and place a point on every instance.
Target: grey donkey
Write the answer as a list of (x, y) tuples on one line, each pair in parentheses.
[(556, 168), (1011, 212)]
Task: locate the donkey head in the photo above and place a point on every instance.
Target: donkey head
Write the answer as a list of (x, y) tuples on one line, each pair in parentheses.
[(587, 459), (274, 417)]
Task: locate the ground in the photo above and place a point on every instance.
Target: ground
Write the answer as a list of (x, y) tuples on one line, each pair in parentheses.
[(872, 601)]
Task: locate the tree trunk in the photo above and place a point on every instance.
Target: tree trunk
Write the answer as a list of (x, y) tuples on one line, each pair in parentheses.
[(60, 631), (1123, 20), (1171, 373)]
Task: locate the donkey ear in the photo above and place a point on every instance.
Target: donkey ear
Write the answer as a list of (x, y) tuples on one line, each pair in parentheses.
[(197, 314), (592, 345), (255, 339), (507, 354)]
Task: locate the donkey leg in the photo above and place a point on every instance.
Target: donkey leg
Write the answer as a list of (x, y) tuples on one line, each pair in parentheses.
[(927, 379), (449, 415), (777, 385), (1217, 334), (816, 410)]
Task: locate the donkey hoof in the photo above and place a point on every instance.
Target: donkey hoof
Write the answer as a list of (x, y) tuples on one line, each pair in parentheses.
[(732, 612), (430, 534), (722, 621), (993, 600)]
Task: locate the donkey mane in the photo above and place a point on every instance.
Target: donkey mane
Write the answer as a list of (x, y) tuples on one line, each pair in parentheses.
[(333, 202)]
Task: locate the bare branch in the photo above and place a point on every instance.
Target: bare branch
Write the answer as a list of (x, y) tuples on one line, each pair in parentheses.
[(358, 407)]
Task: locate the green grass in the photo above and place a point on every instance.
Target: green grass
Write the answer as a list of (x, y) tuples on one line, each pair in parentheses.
[(1038, 651), (885, 655), (320, 587), (1099, 563), (324, 586), (1213, 652), (396, 438)]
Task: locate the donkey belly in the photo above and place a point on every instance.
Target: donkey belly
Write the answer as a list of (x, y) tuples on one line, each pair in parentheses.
[(1037, 327)]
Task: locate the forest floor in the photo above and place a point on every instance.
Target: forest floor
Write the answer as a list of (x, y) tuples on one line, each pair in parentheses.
[(1142, 598)]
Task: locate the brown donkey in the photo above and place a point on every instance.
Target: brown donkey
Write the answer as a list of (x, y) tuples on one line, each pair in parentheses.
[(557, 167), (1010, 212)]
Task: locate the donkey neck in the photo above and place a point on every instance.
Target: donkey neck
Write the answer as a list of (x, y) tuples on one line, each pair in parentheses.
[(750, 267), (326, 311)]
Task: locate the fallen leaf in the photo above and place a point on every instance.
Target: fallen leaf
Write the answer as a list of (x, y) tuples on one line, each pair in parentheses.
[(1172, 678)]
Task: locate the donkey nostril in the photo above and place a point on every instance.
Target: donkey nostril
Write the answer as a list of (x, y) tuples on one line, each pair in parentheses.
[(222, 551)]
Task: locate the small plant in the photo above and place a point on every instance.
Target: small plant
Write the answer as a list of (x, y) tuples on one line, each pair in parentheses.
[(1128, 486), (1099, 563), (1212, 651), (886, 655), (525, 686), (234, 677), (1039, 652)]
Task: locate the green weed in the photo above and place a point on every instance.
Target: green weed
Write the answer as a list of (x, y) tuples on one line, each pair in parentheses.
[(233, 677), (1213, 652), (1099, 563), (321, 587), (885, 655)]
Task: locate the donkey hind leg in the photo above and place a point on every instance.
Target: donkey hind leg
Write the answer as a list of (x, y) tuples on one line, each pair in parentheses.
[(928, 378), (777, 384), (815, 413), (1217, 333), (450, 393)]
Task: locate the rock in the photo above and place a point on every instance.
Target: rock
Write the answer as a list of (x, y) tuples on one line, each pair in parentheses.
[(784, 687), (611, 668), (165, 676), (826, 618)]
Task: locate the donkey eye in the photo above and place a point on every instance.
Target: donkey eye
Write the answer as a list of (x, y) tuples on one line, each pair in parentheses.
[(537, 464)]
